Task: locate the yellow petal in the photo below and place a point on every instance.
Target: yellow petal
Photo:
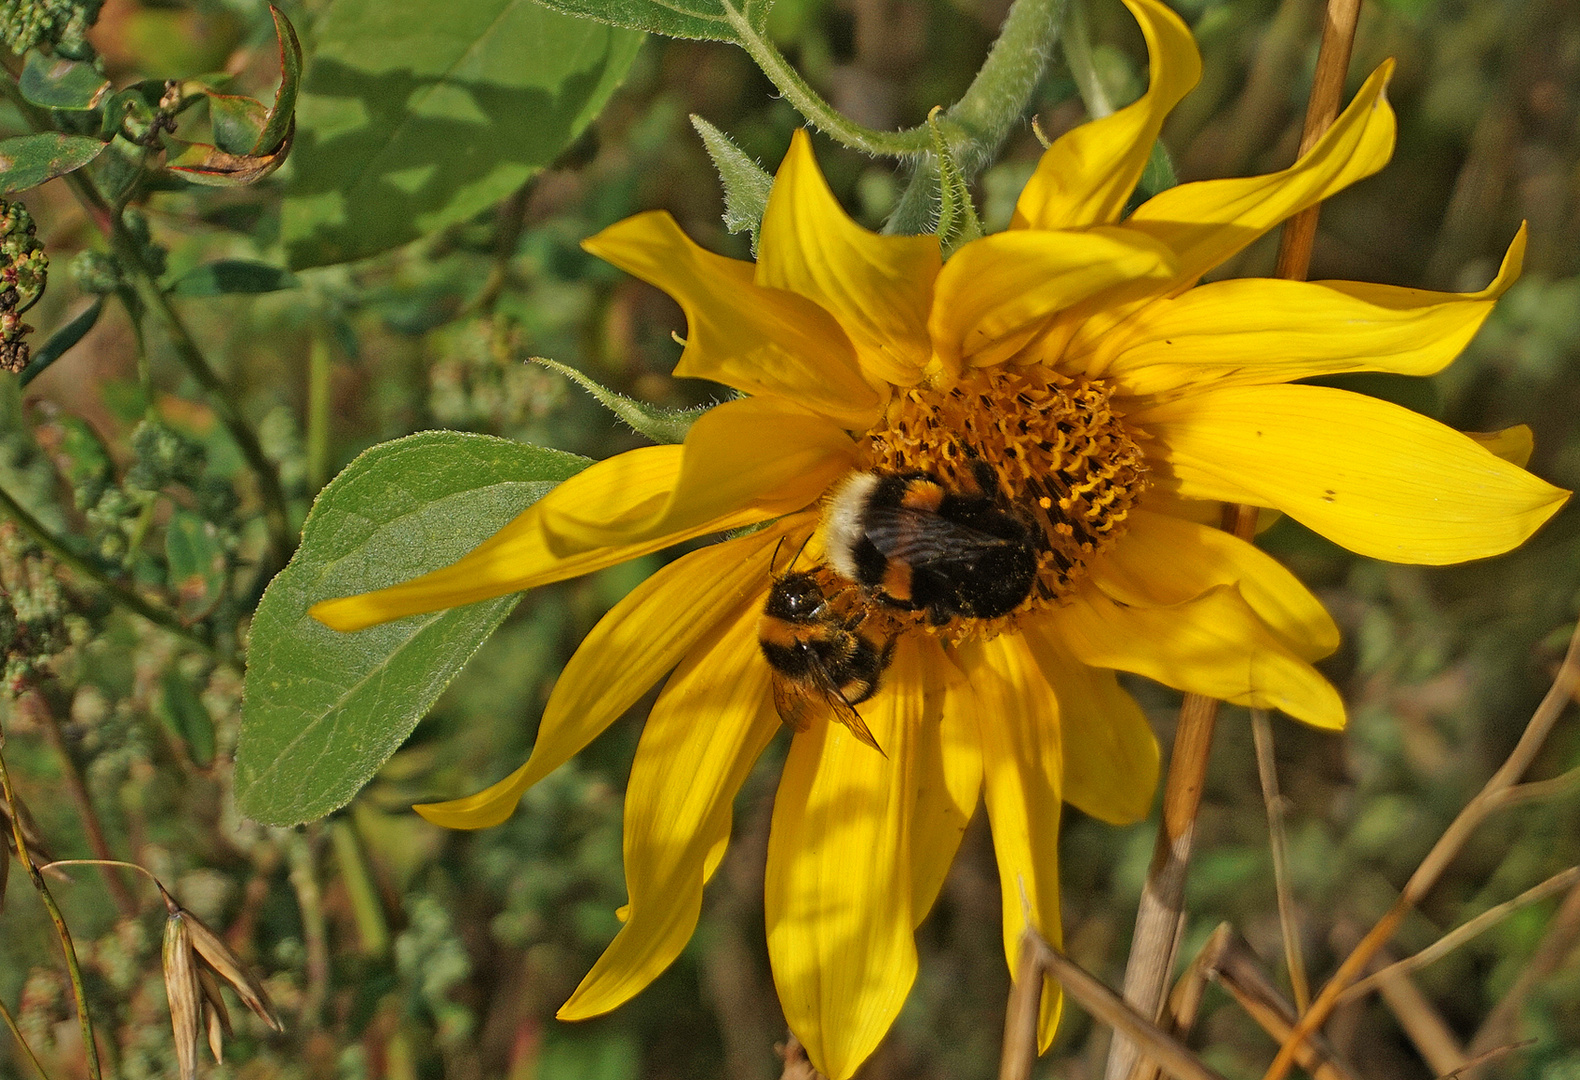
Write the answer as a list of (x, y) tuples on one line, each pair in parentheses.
[(1086, 176), (706, 731), (1166, 560), (1513, 444), (1213, 645), (1252, 330), (1378, 479), (630, 649), (1206, 222), (1110, 752), (756, 339), (948, 772), (838, 910), (1023, 771), (879, 287), (743, 462), (764, 456), (995, 293), (634, 484)]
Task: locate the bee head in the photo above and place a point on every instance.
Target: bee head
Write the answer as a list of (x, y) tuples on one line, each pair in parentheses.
[(795, 598)]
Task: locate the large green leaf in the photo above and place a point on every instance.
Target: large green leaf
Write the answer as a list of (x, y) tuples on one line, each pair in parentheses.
[(323, 710), (711, 20), (416, 114)]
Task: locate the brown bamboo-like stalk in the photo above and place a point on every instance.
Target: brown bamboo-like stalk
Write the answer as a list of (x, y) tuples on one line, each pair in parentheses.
[(1160, 915), (1267, 771), (1493, 796), (1185, 999)]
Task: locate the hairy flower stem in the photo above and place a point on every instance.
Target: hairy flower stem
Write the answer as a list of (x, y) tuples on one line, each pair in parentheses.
[(90, 1048), (1161, 915)]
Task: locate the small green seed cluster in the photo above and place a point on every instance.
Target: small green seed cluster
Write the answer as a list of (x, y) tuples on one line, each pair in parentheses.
[(24, 270), (38, 620), (59, 25)]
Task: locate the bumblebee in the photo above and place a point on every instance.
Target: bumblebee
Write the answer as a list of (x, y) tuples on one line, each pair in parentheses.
[(919, 546), (821, 660)]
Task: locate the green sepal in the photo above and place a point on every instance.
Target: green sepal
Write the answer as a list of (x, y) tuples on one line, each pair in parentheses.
[(656, 422), (746, 184), (957, 214)]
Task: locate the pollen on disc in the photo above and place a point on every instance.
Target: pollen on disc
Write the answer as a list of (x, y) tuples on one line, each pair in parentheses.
[(1063, 460)]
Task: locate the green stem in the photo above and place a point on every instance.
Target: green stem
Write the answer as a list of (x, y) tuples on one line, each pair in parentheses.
[(977, 124), (10, 1022), (58, 549), (1078, 55), (372, 928), (90, 1047), (318, 388)]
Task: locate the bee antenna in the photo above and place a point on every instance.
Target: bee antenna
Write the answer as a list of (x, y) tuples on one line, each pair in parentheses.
[(799, 550), (773, 560)]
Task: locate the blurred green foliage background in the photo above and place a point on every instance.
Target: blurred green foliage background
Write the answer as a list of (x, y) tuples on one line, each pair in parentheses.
[(395, 949)]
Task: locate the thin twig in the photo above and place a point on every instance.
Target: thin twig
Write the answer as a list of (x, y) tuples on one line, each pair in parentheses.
[(92, 827), (1020, 1018), (1463, 933), (1106, 1006), (1563, 934), (10, 1022), (1267, 770), (1442, 853), (1240, 972), (1185, 999), (1426, 1029), (1491, 1055), (90, 1047)]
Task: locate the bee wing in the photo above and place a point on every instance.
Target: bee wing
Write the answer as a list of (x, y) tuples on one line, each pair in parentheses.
[(792, 702), (796, 702), (922, 538), (844, 711)]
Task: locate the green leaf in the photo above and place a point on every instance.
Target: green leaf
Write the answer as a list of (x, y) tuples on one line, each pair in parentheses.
[(61, 340), (194, 564), (654, 421), (28, 160), (323, 710), (238, 122), (56, 83), (417, 114), (233, 276), (182, 711), (746, 184), (277, 130), (710, 20)]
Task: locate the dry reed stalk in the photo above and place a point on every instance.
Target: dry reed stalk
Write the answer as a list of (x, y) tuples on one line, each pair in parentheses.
[(1493, 796), (1240, 972), (1038, 958), (1267, 771)]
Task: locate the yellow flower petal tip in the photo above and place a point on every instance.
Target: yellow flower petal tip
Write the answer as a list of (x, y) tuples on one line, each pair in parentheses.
[(345, 614)]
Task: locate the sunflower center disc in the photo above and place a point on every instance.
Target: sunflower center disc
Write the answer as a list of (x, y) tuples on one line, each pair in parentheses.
[(1065, 465)]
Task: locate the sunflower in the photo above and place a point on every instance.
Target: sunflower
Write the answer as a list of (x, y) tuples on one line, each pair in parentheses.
[(1071, 371)]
